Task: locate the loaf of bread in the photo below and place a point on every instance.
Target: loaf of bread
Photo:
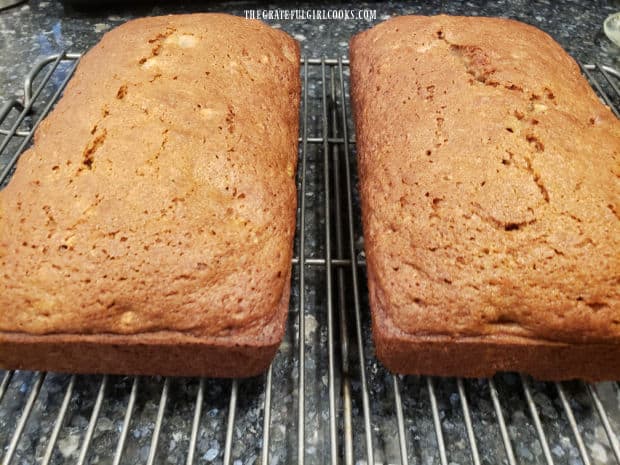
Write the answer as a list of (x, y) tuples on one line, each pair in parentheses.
[(149, 230), (490, 184)]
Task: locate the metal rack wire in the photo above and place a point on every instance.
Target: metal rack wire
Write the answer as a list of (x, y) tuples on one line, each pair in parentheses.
[(325, 399)]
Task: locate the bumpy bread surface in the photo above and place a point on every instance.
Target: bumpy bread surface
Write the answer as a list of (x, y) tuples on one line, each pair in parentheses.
[(490, 184), (159, 196)]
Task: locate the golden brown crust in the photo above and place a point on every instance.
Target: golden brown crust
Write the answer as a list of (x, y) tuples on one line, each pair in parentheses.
[(159, 195), (164, 353), (489, 180), (484, 355)]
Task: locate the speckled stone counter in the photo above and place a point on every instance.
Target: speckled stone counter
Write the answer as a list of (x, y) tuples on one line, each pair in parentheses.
[(42, 27)]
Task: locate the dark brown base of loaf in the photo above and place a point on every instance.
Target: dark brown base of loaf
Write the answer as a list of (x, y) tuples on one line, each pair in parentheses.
[(483, 356), (480, 357), (163, 353), (121, 355)]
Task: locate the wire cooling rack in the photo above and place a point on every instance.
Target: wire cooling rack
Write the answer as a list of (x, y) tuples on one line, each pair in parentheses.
[(325, 398)]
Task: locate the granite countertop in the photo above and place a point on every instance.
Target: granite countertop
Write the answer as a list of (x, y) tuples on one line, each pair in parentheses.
[(43, 27)]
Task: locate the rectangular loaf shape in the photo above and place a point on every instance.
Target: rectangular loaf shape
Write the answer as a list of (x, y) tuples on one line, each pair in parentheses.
[(490, 185), (149, 229)]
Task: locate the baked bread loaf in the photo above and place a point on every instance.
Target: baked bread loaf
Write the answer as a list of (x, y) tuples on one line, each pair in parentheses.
[(490, 184), (149, 230)]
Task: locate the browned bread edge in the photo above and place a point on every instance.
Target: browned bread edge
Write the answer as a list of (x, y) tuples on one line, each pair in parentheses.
[(483, 356), (162, 353)]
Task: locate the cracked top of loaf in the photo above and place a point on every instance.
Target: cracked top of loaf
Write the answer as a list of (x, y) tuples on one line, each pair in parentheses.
[(159, 195), (490, 181)]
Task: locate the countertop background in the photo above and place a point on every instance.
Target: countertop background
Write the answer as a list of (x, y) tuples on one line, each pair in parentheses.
[(43, 27)]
